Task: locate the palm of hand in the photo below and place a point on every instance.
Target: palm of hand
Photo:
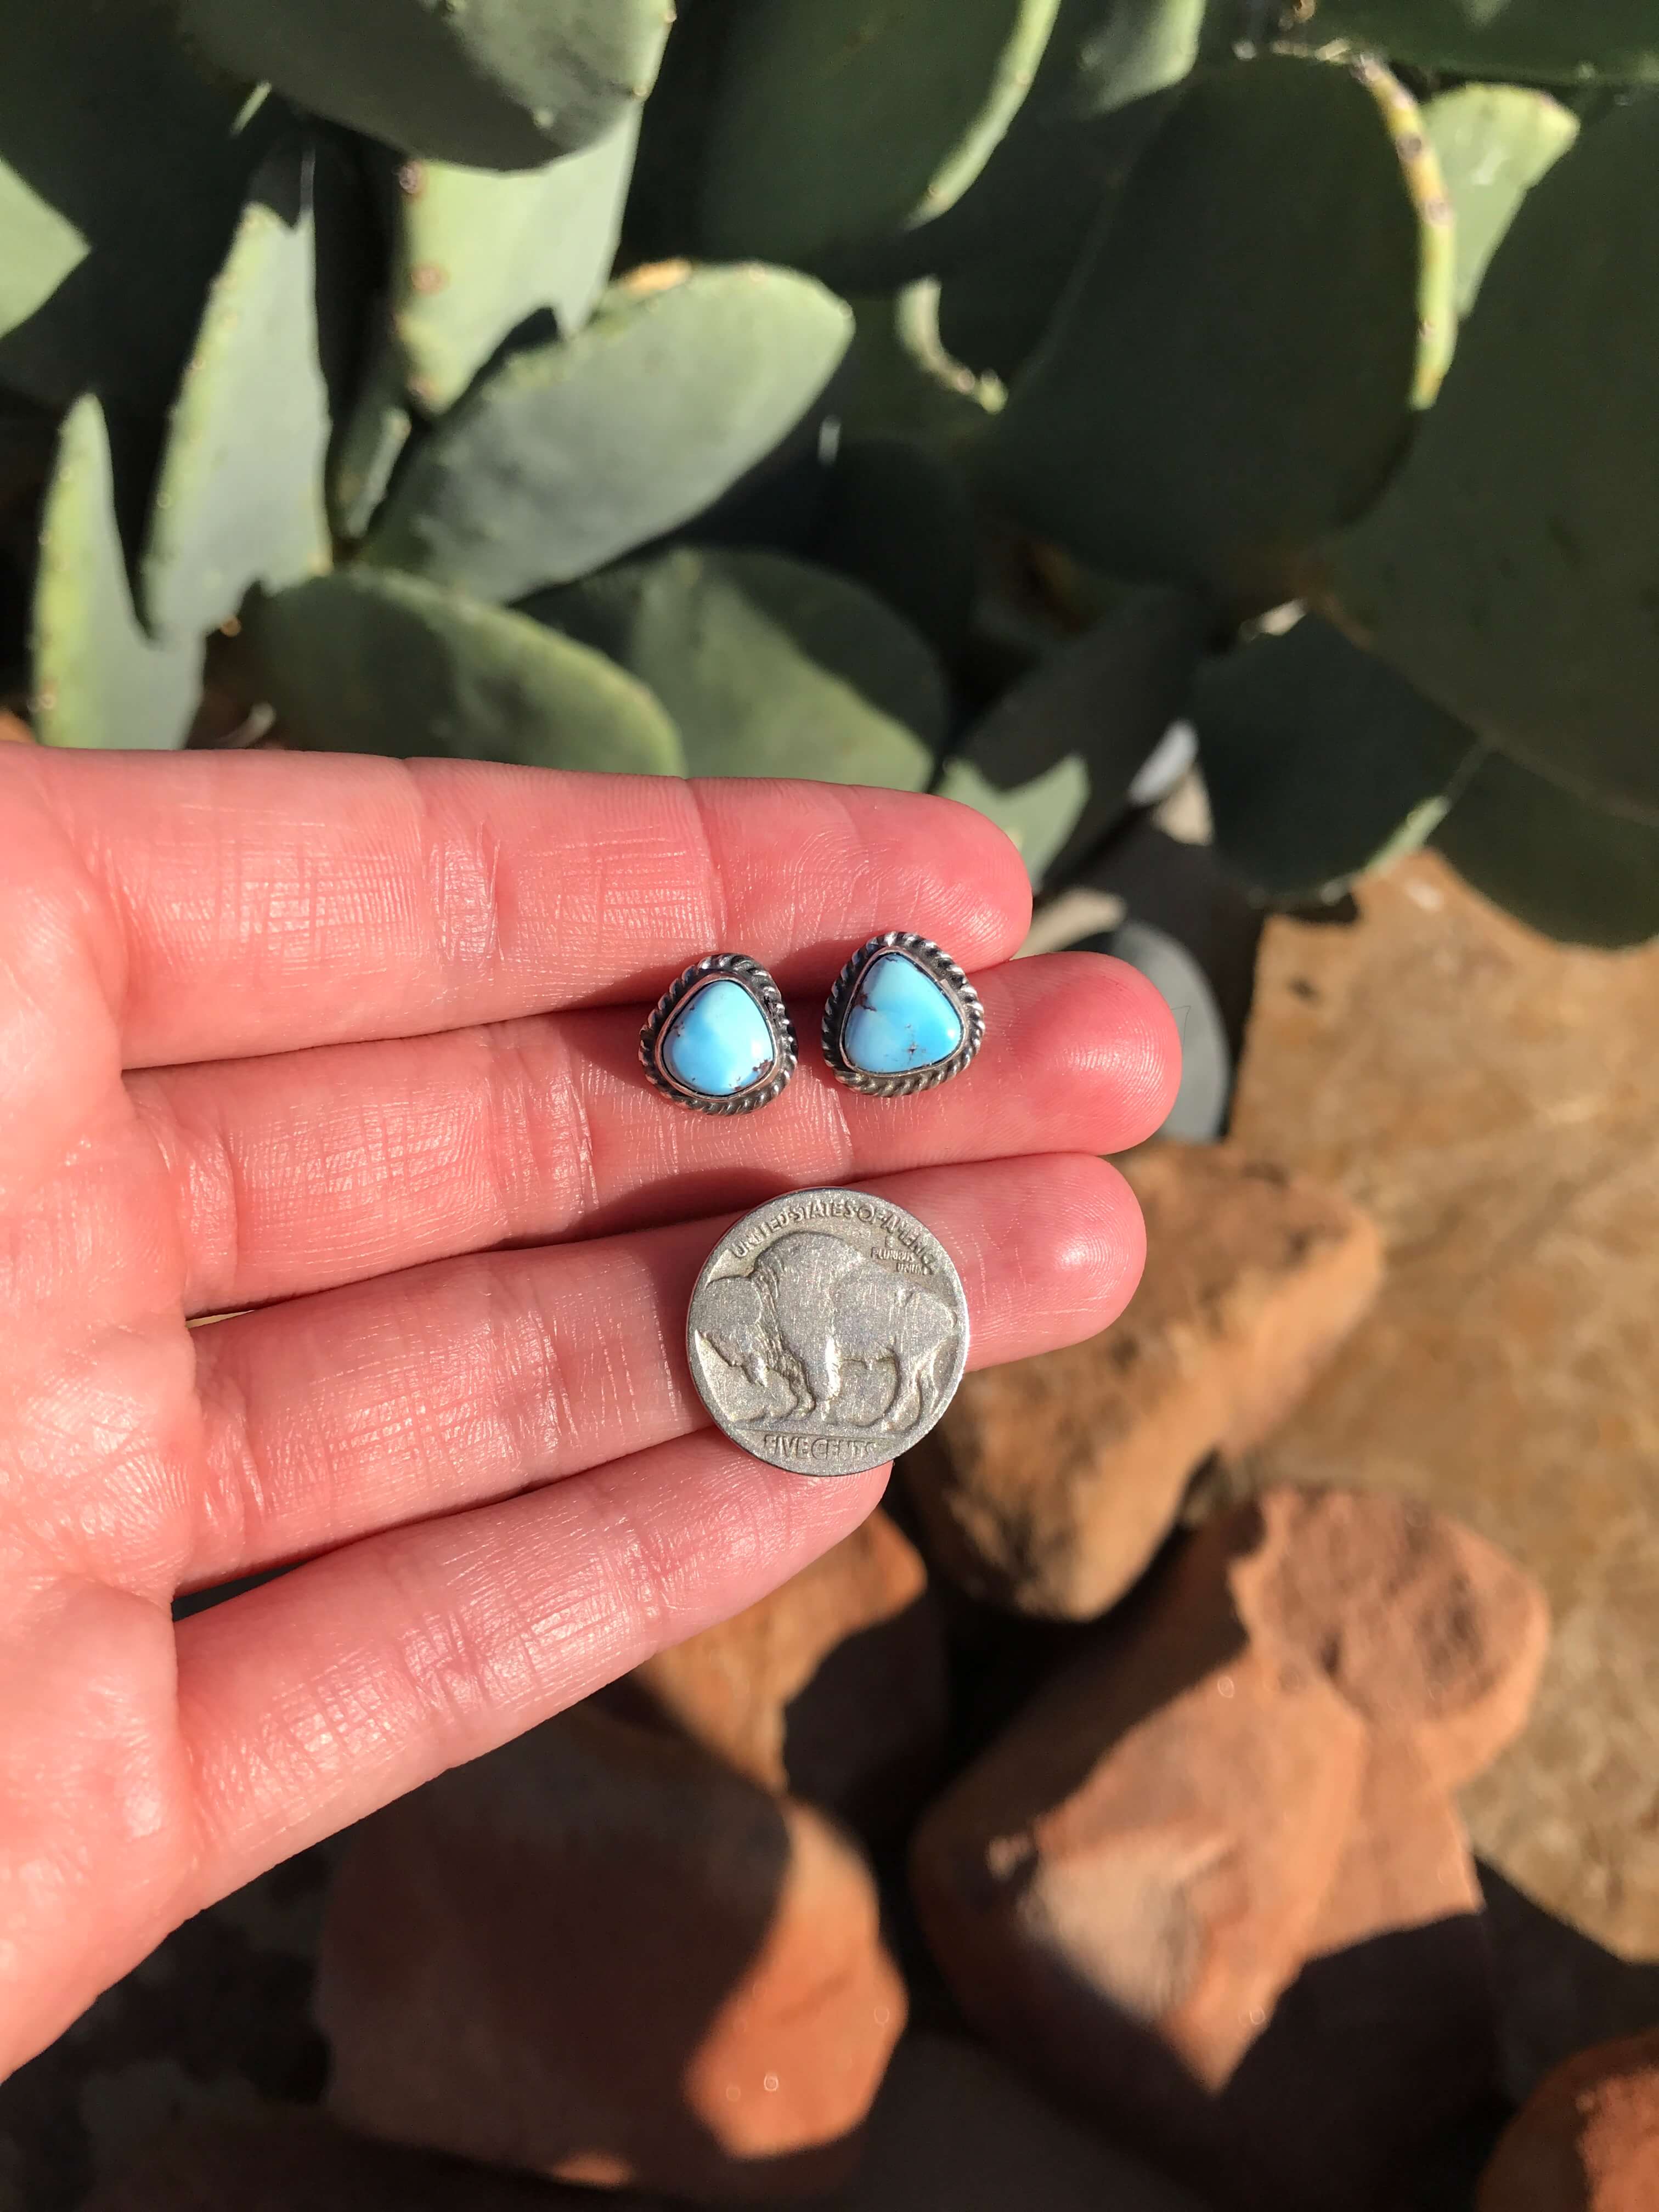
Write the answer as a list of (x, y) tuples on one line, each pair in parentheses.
[(346, 1050)]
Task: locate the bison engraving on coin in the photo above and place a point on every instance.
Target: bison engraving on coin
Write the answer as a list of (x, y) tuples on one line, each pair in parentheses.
[(828, 1331)]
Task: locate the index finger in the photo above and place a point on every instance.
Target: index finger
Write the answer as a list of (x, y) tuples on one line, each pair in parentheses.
[(254, 902)]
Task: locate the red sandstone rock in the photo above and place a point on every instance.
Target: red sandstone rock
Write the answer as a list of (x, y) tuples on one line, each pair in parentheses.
[(1426, 1629), (1145, 1855), (832, 1689), (598, 1955), (1051, 1482), (1586, 2140), (1386, 2040), (1407, 1861), (1388, 2037), (1212, 1884), (1492, 1100)]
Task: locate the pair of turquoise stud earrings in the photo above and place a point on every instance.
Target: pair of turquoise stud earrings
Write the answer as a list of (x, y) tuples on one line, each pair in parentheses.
[(901, 1017)]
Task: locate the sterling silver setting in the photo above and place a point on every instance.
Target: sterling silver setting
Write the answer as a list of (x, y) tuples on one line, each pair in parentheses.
[(935, 964), (736, 968)]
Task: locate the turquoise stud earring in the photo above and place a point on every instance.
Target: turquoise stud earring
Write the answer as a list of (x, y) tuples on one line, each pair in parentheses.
[(720, 1041), (901, 1018)]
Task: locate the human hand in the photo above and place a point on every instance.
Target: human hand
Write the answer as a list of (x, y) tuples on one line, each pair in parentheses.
[(353, 1044)]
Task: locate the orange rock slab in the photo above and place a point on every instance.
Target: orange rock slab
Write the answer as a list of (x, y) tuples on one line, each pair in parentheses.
[(1051, 1482), (1492, 1101), (831, 1689), (1586, 2140)]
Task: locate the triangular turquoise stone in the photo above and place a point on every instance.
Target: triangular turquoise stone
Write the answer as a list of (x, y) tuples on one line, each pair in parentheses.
[(900, 1017), (720, 1042)]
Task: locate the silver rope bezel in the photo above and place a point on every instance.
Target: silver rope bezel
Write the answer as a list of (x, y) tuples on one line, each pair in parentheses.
[(737, 968), (939, 966)]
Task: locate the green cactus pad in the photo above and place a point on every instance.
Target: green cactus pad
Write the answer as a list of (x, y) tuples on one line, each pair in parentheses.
[(1013, 242), (497, 84), (43, 250), (1511, 571), (98, 679), (370, 444), (350, 217), (1570, 42), (360, 663), (1494, 142), (1436, 269), (478, 251), (768, 665), (122, 172), (239, 497), (1567, 869), (661, 220), (899, 381), (1043, 187), (1320, 762), (898, 518), (1124, 50), (1232, 371), (1095, 708), (837, 120), (1037, 816), (569, 454)]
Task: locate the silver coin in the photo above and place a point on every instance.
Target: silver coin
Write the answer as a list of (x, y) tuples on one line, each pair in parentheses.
[(828, 1331)]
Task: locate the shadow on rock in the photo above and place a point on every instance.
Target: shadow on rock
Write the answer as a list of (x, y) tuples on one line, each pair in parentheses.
[(598, 1955)]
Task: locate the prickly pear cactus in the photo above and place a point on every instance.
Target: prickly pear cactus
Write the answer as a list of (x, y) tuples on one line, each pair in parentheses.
[(1320, 762), (230, 510), (1512, 569), (388, 664), (576, 451), (504, 84), (1231, 372), (123, 169), (747, 649), (1572, 869), (99, 678), (1493, 142), (478, 251), (936, 392), (836, 120), (1587, 42)]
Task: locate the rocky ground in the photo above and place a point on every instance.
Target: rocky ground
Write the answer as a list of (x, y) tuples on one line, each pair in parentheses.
[(1492, 1102), (1098, 1827)]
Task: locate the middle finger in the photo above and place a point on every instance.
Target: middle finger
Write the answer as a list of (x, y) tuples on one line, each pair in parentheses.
[(301, 1170)]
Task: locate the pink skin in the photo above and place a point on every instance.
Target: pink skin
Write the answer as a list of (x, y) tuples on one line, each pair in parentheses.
[(352, 1042)]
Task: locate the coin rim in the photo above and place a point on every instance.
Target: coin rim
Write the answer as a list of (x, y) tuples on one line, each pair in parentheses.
[(965, 1340)]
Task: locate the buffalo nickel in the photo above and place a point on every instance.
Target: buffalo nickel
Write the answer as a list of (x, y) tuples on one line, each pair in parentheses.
[(828, 1331)]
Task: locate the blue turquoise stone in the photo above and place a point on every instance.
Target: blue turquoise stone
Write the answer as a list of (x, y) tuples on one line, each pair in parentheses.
[(899, 1019), (719, 1043)]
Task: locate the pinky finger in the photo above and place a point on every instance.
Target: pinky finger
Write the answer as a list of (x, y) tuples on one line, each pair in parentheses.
[(322, 1696)]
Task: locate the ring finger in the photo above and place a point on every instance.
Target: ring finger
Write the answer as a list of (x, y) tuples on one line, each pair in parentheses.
[(392, 1400)]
